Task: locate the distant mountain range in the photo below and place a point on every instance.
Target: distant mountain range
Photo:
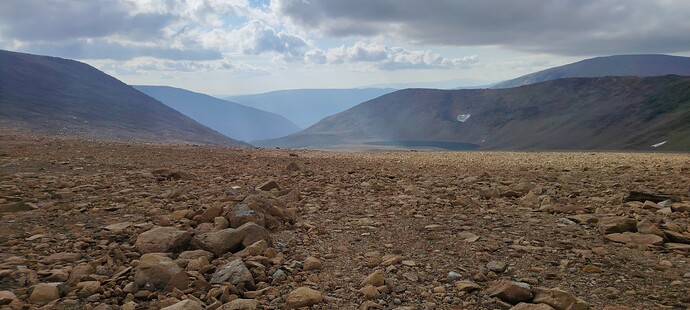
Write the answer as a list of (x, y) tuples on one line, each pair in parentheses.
[(620, 65), (607, 113), (60, 96), (305, 107), (231, 119)]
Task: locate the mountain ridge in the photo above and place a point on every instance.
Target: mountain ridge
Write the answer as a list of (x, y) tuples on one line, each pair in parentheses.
[(54, 95), (642, 65), (612, 113)]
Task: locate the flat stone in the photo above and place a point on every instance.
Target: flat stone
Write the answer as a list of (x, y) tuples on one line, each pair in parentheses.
[(636, 239), (220, 242), (17, 207), (62, 257), (677, 237), (466, 286), (528, 306), (118, 227), (510, 291), (559, 299), (163, 240), (234, 272), (616, 224), (268, 185), (369, 292), (677, 246), (303, 297), (187, 304), (241, 304)]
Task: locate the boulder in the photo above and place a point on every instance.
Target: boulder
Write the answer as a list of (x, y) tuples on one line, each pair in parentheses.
[(647, 227), (240, 214), (219, 242), (155, 271), (466, 286), (528, 306), (44, 293), (187, 304), (7, 297), (234, 272), (241, 304), (232, 239), (677, 237), (312, 263), (163, 240), (616, 224), (510, 291), (377, 278), (303, 297), (559, 299)]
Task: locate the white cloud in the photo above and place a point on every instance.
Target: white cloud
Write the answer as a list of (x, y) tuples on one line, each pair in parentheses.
[(383, 57)]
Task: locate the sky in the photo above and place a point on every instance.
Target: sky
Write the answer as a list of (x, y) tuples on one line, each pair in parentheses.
[(225, 47)]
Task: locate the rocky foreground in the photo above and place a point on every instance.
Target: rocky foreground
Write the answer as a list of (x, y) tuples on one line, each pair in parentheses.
[(105, 225)]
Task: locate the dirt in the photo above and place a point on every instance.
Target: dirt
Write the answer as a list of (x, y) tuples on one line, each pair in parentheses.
[(404, 219)]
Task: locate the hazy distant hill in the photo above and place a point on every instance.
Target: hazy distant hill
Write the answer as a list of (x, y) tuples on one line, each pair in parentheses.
[(305, 107), (609, 113), (231, 119), (621, 65), (60, 96)]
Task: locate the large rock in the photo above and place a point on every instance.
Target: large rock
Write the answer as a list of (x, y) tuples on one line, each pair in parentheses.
[(44, 293), (510, 291), (162, 240), (241, 304), (155, 271), (616, 224), (234, 272), (7, 297), (232, 239), (185, 305), (631, 238), (268, 207), (220, 242), (559, 299), (377, 278), (62, 257), (527, 306), (303, 297), (240, 214)]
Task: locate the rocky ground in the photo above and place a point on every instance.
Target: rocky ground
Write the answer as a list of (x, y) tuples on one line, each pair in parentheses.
[(105, 225)]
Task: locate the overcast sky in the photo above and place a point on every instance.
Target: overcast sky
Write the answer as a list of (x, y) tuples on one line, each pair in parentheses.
[(249, 46)]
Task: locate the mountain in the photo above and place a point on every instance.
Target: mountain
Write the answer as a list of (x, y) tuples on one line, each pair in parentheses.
[(448, 84), (231, 119), (60, 96), (620, 65), (607, 113), (305, 107)]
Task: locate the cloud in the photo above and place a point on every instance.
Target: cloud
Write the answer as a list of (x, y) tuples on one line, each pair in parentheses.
[(104, 49), (257, 38), (145, 65), (561, 27), (388, 58)]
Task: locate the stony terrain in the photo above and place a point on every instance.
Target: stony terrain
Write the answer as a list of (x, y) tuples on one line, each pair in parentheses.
[(96, 225)]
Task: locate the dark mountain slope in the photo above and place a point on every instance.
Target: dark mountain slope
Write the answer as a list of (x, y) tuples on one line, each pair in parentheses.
[(231, 119), (610, 113), (60, 96), (305, 107), (620, 65)]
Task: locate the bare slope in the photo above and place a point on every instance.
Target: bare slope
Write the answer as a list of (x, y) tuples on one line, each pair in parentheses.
[(578, 113), (231, 119), (619, 65), (60, 96)]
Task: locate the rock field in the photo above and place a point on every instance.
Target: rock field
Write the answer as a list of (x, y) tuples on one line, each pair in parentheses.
[(109, 225)]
